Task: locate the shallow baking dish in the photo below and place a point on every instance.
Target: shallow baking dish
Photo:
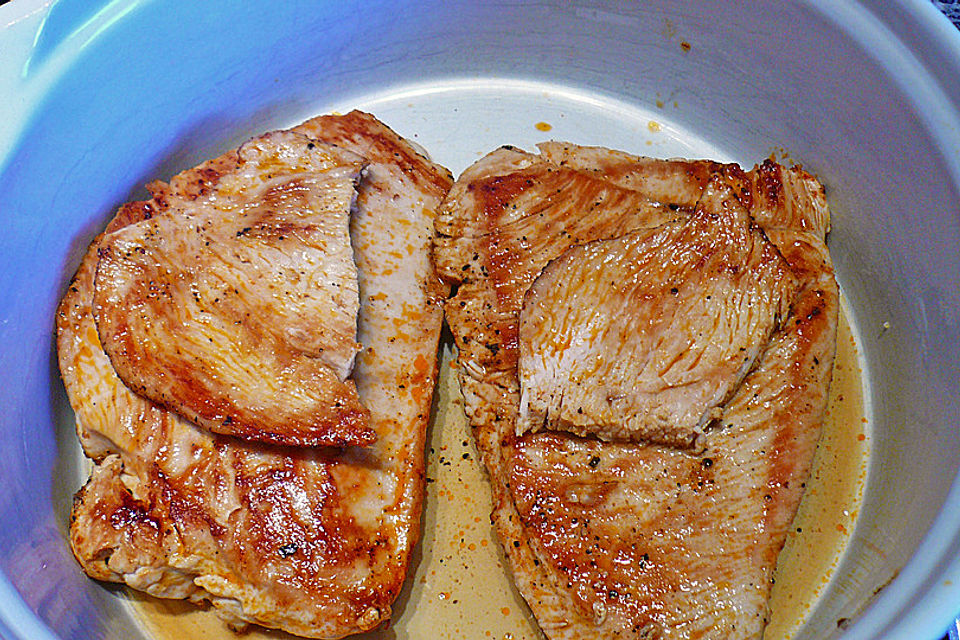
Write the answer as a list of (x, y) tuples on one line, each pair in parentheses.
[(100, 97)]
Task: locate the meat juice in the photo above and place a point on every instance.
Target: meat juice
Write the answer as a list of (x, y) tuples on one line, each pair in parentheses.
[(459, 586), (831, 501)]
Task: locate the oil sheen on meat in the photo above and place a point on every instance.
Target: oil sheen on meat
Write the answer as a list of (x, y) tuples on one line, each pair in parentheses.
[(623, 539), (311, 540)]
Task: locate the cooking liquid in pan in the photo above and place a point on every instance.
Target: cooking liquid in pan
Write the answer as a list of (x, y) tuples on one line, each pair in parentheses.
[(459, 586)]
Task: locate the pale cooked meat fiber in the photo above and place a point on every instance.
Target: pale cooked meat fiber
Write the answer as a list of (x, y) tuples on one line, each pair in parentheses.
[(645, 336)]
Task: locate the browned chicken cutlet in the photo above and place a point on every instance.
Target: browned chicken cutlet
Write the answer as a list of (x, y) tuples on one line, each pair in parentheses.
[(313, 541), (237, 308), (631, 539), (645, 336)]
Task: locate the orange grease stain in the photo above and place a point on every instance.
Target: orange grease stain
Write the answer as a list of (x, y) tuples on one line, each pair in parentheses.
[(420, 363)]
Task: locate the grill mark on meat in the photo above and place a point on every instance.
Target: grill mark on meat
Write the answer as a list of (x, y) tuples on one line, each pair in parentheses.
[(494, 195), (129, 513)]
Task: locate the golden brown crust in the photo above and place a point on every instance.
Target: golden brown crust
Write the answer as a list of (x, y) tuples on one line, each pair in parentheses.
[(788, 198), (632, 540)]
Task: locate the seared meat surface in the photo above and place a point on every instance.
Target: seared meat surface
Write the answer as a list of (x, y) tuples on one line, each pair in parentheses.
[(311, 540), (633, 539), (237, 308), (646, 335)]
